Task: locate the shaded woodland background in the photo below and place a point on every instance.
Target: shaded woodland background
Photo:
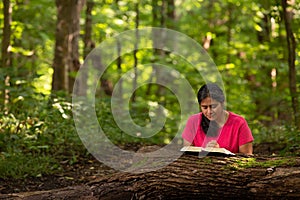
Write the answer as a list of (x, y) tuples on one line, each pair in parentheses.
[(253, 43)]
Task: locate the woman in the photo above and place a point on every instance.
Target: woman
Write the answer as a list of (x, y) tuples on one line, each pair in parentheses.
[(216, 127)]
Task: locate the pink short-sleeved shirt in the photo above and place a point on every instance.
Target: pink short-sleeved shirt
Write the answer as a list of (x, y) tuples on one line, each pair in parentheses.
[(232, 135)]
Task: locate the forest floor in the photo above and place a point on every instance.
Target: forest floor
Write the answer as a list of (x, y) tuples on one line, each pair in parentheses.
[(83, 171)]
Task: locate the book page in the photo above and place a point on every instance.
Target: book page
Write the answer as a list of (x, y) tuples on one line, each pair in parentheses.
[(207, 149), (192, 149), (218, 150)]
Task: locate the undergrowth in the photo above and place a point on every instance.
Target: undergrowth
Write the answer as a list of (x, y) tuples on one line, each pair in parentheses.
[(36, 135)]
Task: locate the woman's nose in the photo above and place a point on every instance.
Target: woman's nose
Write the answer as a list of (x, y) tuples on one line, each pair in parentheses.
[(209, 110)]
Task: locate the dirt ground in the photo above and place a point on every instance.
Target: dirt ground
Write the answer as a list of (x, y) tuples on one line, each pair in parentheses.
[(85, 170)]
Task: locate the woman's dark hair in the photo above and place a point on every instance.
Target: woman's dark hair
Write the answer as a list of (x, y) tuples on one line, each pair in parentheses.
[(213, 91)]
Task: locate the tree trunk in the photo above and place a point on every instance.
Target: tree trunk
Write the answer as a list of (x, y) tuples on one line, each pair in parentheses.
[(119, 65), (73, 50), (171, 14), (158, 44), (137, 11), (154, 12), (191, 177), (7, 12), (119, 60), (88, 42), (5, 51), (66, 57), (88, 46), (265, 24), (60, 80), (208, 40), (291, 45)]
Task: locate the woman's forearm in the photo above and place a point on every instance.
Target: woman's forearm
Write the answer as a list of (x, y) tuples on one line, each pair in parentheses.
[(246, 148)]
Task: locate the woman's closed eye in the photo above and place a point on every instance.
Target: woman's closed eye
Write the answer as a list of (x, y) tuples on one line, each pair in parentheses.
[(210, 106), (214, 105)]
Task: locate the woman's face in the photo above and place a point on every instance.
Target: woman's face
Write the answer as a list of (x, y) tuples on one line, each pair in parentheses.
[(211, 108)]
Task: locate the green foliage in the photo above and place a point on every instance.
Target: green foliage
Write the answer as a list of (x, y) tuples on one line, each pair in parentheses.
[(38, 131), (38, 139), (140, 115), (22, 166), (45, 135), (286, 136)]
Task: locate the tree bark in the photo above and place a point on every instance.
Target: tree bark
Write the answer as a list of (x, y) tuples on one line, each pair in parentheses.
[(291, 45), (73, 50), (137, 22), (5, 51), (88, 46), (171, 14), (88, 42), (66, 57), (190, 177), (159, 13)]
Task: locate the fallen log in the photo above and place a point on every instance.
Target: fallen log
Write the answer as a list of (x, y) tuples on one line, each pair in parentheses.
[(191, 177)]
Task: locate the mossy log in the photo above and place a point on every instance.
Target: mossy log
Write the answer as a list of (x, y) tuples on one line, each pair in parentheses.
[(191, 177)]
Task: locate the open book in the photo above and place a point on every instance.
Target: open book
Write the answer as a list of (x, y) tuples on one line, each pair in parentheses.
[(208, 150)]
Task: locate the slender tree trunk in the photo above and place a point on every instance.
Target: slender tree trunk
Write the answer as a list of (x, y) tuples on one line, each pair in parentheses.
[(163, 13), (229, 33), (60, 80), (154, 13), (88, 42), (66, 57), (135, 51), (155, 7), (208, 38), (88, 45), (119, 60), (159, 52), (291, 45), (171, 14), (5, 51), (119, 65), (7, 14), (265, 34), (229, 26), (73, 48)]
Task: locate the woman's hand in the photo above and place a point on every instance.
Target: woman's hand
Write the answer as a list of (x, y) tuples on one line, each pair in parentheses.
[(213, 144), (186, 143)]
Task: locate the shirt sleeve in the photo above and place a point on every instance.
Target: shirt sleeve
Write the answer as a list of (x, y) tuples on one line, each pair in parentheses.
[(190, 129), (245, 135)]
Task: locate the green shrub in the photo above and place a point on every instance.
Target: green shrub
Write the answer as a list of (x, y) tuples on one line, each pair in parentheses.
[(26, 165)]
